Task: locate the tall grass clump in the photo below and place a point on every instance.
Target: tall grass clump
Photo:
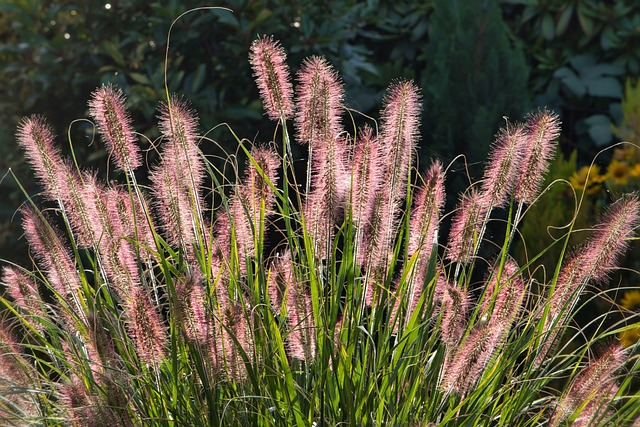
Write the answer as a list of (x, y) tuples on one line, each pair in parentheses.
[(177, 296)]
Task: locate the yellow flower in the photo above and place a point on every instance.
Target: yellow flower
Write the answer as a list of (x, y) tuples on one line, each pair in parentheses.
[(631, 299), (635, 171), (624, 153), (579, 179), (618, 172), (629, 337)]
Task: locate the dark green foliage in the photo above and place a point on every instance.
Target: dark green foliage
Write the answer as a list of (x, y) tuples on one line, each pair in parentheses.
[(474, 76), (581, 52)]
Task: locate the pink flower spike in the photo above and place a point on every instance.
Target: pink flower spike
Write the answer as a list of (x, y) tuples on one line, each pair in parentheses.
[(268, 61), (501, 171), (611, 238), (319, 101), (596, 384), (24, 291), (506, 297), (49, 249), (428, 205), (107, 107), (36, 137), (400, 119), (466, 226), (542, 128), (145, 327), (455, 305), (251, 196)]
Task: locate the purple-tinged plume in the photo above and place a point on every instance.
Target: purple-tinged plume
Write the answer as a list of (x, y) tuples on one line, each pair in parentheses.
[(466, 226), (400, 119), (593, 261), (36, 137), (542, 128), (145, 328), (466, 361), (179, 125), (423, 235), (131, 220), (107, 108), (269, 63), (232, 335), (593, 390), (293, 298), (49, 249), (425, 217), (455, 305), (73, 186), (611, 238), (503, 166), (503, 300), (465, 365), (177, 180), (192, 313), (330, 182), (24, 290), (16, 382), (319, 101), (368, 173), (172, 204), (254, 200)]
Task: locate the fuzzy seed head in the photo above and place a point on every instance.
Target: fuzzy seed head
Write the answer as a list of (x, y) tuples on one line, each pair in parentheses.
[(502, 302), (24, 291), (368, 173), (400, 132), (254, 198), (73, 195), (455, 305), (466, 226), (107, 108), (179, 125), (330, 186), (173, 204), (50, 250), (503, 167), (596, 384), (542, 128), (192, 313), (35, 136), (319, 101), (463, 368), (145, 328), (428, 205), (611, 238), (269, 63)]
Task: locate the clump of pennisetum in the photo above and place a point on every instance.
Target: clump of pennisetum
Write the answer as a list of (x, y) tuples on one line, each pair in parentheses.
[(152, 282)]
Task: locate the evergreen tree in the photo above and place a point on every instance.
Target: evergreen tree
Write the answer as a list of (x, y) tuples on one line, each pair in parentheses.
[(474, 76)]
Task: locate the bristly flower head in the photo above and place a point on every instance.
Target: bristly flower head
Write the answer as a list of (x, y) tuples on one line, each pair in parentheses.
[(320, 94), (145, 328), (36, 137), (49, 249), (24, 290), (541, 131), (428, 204), (400, 131), (253, 196), (611, 238), (268, 61), (595, 385), (107, 107), (466, 226), (502, 169)]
